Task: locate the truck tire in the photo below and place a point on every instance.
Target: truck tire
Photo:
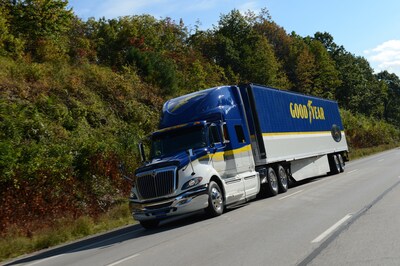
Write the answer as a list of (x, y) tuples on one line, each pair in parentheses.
[(282, 179), (215, 200), (334, 164), (150, 224), (272, 182), (341, 163)]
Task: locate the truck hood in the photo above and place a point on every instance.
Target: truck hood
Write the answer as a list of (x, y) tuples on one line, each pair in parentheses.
[(180, 160)]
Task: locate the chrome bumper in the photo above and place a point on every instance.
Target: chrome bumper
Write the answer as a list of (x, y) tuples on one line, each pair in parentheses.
[(190, 201)]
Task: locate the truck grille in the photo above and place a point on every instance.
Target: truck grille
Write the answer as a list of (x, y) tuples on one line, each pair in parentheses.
[(156, 183)]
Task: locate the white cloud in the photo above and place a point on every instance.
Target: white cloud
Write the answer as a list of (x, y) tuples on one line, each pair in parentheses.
[(197, 5), (112, 8), (250, 5), (385, 56), (162, 8), (207, 12)]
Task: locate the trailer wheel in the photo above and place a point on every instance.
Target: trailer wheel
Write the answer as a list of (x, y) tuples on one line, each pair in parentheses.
[(341, 162), (272, 182), (150, 224), (215, 200), (334, 164), (282, 179)]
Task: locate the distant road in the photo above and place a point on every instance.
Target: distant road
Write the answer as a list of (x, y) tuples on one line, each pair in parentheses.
[(348, 219)]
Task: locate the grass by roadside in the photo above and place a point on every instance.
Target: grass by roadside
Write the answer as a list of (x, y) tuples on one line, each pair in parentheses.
[(359, 153), (66, 230)]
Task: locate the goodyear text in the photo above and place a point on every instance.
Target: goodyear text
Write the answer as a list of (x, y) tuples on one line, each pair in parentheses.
[(302, 111)]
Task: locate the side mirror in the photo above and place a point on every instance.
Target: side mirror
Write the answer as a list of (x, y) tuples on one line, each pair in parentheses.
[(141, 151)]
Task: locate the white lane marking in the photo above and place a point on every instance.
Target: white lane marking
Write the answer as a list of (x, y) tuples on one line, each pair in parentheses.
[(381, 160), (290, 195), (81, 248), (122, 260), (355, 170), (331, 229)]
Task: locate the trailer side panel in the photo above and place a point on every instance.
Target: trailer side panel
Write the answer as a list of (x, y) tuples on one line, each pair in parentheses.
[(293, 126)]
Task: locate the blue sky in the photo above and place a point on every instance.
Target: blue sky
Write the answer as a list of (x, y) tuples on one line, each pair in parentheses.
[(367, 28)]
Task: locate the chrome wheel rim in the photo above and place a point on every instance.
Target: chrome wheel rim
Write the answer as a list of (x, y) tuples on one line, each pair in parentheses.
[(283, 177), (216, 198), (273, 180)]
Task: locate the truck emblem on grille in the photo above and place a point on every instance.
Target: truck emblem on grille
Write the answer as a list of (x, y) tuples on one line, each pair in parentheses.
[(153, 174)]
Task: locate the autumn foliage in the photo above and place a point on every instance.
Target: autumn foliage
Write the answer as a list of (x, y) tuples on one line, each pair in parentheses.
[(76, 97)]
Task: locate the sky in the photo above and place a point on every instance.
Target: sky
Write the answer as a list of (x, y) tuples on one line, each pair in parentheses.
[(367, 28)]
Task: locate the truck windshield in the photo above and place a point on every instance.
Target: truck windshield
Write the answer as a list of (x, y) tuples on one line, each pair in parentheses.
[(178, 140)]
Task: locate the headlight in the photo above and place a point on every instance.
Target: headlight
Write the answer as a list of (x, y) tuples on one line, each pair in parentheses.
[(192, 182)]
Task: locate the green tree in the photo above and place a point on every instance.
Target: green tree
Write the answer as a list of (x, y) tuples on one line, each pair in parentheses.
[(360, 91), (43, 25), (9, 44), (4, 33), (327, 40), (280, 42), (301, 65), (392, 101), (155, 69), (246, 55), (305, 71), (262, 66), (81, 46), (326, 78)]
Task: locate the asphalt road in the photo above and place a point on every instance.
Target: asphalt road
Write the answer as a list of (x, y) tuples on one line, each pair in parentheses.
[(348, 219)]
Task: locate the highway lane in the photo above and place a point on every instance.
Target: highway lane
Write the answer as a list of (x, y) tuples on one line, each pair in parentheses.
[(297, 227), (372, 239)]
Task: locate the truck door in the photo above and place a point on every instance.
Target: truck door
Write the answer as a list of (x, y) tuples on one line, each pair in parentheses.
[(242, 153), (245, 162), (233, 151), (224, 163), (239, 161)]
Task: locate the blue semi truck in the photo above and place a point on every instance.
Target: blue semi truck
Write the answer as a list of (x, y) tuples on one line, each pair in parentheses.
[(223, 146)]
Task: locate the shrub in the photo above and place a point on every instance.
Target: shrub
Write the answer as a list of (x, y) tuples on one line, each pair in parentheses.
[(364, 132), (64, 131)]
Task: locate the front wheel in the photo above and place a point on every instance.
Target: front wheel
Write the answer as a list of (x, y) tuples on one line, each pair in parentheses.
[(215, 200)]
